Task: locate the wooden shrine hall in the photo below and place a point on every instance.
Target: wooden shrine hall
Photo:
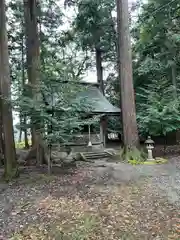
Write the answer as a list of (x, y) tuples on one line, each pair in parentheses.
[(100, 106)]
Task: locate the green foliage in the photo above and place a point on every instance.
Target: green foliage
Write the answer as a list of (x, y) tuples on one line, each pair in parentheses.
[(92, 21), (21, 145), (156, 67), (56, 109), (158, 112), (114, 124), (66, 54), (59, 110), (156, 43), (94, 28)]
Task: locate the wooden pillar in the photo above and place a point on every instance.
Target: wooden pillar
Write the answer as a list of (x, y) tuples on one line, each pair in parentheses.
[(103, 128)]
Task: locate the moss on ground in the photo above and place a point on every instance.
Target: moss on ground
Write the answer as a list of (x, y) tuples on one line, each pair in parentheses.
[(156, 161)]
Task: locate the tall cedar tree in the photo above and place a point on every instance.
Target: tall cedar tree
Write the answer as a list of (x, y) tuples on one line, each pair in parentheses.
[(6, 110), (130, 132), (33, 69)]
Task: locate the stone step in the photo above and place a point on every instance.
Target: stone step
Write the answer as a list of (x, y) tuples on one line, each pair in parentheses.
[(96, 155)]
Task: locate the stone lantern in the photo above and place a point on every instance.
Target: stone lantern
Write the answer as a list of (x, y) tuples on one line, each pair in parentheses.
[(150, 146)]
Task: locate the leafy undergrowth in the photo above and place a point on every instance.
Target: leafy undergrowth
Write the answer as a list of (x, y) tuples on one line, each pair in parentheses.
[(88, 211)]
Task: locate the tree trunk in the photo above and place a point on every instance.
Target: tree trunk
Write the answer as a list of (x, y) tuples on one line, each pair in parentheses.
[(33, 62), (26, 142), (11, 169), (23, 89), (1, 138), (99, 70), (30, 24), (20, 133), (130, 132), (26, 136)]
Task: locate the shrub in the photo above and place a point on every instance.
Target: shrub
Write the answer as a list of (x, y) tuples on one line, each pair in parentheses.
[(21, 145)]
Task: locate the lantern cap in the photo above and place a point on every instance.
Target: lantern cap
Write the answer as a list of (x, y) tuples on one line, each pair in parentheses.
[(149, 140)]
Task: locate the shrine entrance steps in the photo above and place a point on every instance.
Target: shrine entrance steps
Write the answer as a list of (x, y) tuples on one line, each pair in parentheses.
[(92, 155)]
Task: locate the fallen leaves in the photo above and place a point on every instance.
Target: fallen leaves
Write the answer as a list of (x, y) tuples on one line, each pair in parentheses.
[(77, 208)]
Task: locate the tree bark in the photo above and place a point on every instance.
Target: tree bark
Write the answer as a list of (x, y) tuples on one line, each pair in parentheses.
[(1, 137), (11, 169), (99, 69), (130, 132), (33, 64), (26, 136), (20, 133), (24, 120)]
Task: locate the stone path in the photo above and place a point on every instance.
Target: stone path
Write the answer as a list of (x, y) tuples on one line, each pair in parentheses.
[(164, 177)]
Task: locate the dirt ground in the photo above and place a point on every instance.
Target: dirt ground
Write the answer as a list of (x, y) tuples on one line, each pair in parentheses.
[(102, 200)]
